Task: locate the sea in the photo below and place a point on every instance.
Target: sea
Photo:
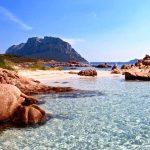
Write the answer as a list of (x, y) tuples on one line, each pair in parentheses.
[(94, 64), (108, 113)]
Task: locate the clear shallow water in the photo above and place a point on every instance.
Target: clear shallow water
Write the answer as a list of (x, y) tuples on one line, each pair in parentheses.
[(114, 116)]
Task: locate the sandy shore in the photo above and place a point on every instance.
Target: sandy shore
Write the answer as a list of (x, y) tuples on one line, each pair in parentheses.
[(57, 75)]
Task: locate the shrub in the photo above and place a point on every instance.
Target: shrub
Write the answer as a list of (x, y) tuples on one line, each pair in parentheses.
[(4, 65), (37, 66)]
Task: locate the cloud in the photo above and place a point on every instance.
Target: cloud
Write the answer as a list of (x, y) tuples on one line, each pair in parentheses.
[(14, 19), (73, 41)]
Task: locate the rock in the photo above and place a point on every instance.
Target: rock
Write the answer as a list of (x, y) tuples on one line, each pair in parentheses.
[(72, 64), (144, 76), (124, 66), (48, 48), (139, 63), (115, 67), (72, 72), (9, 100), (88, 72), (116, 71), (143, 63), (29, 115), (13, 106), (104, 66), (26, 85), (146, 60)]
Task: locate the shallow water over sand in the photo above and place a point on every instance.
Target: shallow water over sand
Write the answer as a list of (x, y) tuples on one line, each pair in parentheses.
[(112, 115)]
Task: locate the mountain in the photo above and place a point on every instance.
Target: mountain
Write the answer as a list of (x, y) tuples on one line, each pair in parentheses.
[(132, 61), (48, 48)]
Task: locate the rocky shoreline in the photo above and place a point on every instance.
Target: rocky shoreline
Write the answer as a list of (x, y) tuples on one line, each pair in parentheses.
[(18, 107), (139, 71)]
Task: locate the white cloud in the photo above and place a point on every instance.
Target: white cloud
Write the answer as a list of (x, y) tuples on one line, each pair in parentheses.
[(14, 19), (73, 41)]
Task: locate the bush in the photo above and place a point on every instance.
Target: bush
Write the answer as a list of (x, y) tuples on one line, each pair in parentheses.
[(37, 66), (4, 65)]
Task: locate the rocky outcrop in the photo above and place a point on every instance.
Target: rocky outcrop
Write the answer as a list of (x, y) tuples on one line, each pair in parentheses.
[(26, 85), (146, 60), (29, 115), (88, 72), (48, 48), (115, 70), (18, 107), (115, 67), (72, 64), (143, 63), (104, 66), (143, 76), (124, 66)]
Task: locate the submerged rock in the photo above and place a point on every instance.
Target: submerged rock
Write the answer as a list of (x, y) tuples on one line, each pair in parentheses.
[(88, 72), (29, 115), (16, 106)]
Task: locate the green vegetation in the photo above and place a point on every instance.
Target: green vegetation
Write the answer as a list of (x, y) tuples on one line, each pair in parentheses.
[(17, 59), (12, 61), (4, 65), (36, 66), (7, 61)]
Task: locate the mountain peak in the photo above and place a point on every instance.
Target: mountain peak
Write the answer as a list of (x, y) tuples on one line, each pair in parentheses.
[(33, 39), (49, 48)]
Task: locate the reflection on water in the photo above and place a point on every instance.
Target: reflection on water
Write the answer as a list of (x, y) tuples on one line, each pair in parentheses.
[(111, 114)]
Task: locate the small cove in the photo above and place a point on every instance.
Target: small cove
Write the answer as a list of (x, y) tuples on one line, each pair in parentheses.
[(110, 114)]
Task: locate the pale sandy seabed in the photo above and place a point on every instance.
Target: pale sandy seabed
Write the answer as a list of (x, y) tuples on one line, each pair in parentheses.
[(108, 114)]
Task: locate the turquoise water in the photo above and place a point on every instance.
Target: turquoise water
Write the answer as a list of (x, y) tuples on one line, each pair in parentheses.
[(111, 115)]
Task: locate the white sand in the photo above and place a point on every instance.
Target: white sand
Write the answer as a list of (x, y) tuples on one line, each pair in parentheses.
[(57, 75)]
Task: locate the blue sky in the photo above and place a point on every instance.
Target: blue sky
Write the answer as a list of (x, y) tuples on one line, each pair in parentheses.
[(100, 30)]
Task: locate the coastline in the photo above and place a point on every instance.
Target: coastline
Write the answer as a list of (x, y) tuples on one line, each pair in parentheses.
[(49, 75)]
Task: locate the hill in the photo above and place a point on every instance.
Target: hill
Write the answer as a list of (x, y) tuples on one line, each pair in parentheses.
[(133, 61), (48, 48)]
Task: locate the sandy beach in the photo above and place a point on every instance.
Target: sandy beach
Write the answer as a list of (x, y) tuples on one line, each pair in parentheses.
[(45, 75)]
